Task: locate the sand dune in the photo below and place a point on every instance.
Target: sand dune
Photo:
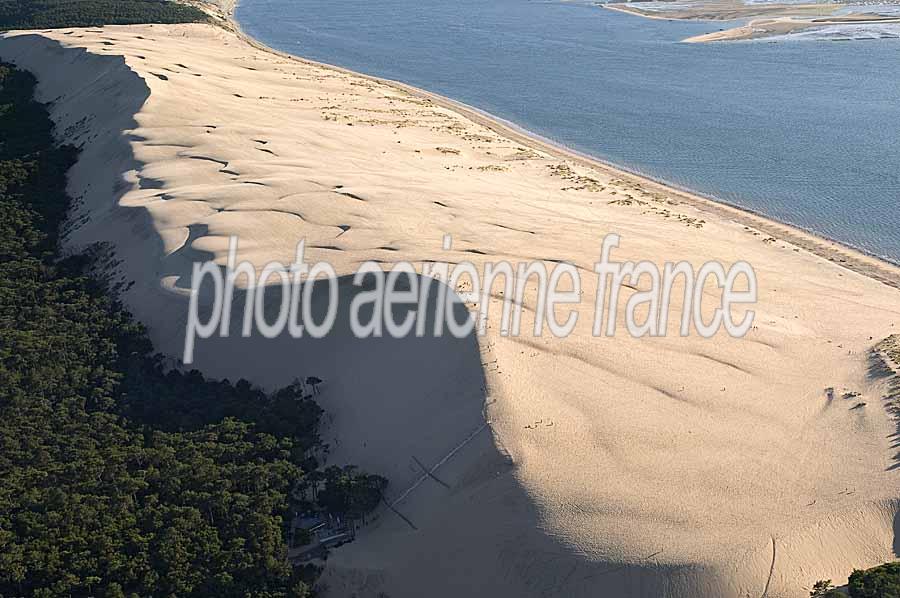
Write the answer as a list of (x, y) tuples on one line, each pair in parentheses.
[(669, 466)]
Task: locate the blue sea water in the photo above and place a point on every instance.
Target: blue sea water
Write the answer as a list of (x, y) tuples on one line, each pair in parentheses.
[(805, 132)]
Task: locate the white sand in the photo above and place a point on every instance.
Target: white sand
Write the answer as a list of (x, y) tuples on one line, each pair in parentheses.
[(674, 466)]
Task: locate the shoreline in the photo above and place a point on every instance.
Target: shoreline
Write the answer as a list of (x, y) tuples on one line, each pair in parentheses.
[(622, 9), (780, 27), (783, 20), (843, 254)]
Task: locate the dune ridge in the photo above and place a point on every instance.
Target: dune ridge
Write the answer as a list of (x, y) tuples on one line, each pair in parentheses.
[(673, 466)]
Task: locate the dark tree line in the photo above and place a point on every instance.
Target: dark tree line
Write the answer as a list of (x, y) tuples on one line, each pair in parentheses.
[(117, 477), (46, 14)]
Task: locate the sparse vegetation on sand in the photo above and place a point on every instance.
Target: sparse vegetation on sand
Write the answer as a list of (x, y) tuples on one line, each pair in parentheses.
[(891, 348)]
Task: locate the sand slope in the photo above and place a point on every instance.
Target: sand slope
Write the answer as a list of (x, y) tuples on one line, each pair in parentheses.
[(673, 466)]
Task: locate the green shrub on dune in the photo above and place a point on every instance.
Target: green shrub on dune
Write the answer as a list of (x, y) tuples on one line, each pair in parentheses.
[(825, 589)]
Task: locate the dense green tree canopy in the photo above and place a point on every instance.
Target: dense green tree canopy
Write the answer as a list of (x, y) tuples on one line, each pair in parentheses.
[(882, 581), (44, 14), (878, 582)]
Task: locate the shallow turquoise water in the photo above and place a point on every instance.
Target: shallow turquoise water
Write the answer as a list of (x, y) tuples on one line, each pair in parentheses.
[(805, 132)]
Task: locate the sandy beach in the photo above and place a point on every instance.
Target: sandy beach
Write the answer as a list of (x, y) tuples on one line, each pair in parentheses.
[(672, 466), (780, 26), (721, 10), (765, 19)]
